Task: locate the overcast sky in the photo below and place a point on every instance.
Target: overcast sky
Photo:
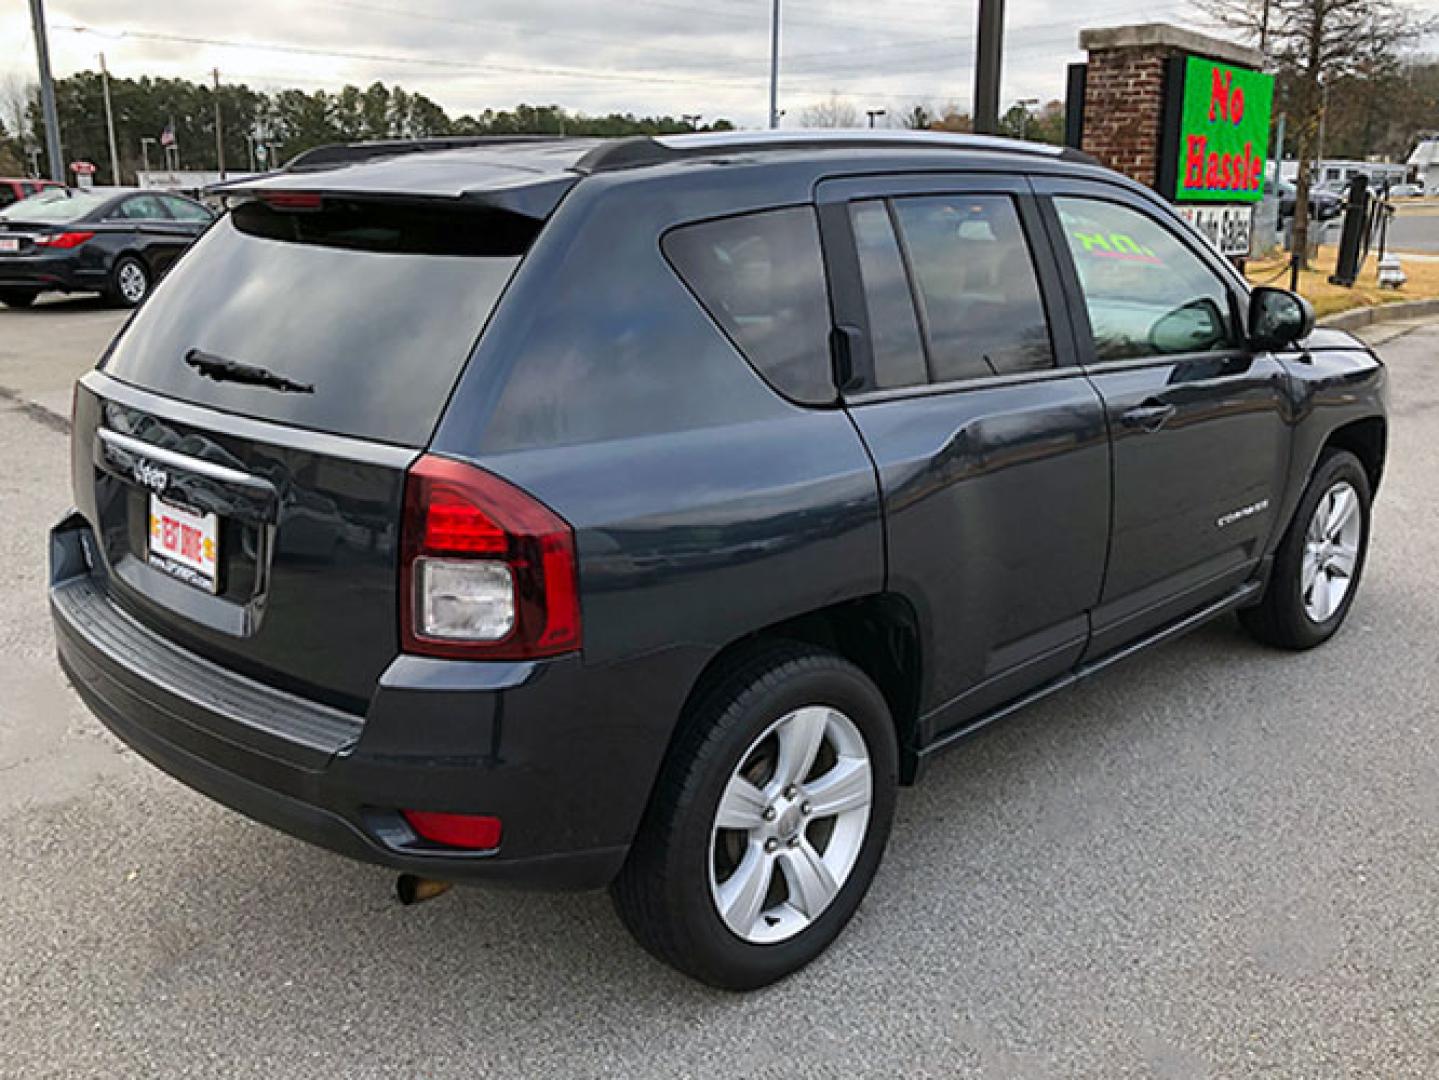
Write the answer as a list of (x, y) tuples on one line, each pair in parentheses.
[(641, 56)]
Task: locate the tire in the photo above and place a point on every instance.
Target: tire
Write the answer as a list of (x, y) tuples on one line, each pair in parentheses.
[(1303, 606), (130, 282), (17, 298), (682, 862)]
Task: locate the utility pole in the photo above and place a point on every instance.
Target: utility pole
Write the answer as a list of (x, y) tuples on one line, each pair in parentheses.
[(47, 93), (872, 113), (219, 132), (110, 123), (990, 46), (774, 65), (692, 119)]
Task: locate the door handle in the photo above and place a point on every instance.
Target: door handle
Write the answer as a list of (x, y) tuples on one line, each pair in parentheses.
[(1151, 416)]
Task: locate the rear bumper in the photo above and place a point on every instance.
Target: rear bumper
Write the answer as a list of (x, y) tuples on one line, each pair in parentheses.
[(61, 272), (528, 743)]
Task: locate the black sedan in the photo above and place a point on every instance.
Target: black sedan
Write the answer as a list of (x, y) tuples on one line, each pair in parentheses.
[(114, 241)]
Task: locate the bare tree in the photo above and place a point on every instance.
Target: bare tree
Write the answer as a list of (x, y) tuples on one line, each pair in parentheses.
[(835, 112), (16, 94), (1313, 43)]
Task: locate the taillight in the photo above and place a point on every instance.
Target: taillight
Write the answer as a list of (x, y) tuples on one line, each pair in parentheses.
[(487, 572), (291, 200), (63, 240)]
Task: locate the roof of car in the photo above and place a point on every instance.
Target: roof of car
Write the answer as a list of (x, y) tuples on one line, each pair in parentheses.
[(529, 174)]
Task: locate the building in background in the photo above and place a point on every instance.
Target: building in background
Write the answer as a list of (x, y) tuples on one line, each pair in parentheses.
[(185, 182), (1424, 163)]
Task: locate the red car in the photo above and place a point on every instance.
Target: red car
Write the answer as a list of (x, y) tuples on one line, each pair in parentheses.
[(12, 189)]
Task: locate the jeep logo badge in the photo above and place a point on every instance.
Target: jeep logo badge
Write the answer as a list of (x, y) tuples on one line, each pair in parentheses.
[(150, 476)]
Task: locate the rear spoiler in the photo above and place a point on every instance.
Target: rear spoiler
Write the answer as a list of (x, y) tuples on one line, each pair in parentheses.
[(398, 171)]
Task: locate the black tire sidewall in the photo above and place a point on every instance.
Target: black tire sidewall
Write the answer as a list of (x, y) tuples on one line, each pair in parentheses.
[(18, 298), (717, 955), (1285, 582)]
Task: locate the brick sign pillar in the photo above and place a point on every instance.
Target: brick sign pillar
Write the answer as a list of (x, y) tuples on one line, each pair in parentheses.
[(1125, 106)]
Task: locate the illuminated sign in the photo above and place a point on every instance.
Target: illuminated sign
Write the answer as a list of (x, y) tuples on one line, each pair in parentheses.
[(1216, 132)]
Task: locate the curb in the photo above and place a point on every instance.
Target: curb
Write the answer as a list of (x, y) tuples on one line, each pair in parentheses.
[(1358, 318)]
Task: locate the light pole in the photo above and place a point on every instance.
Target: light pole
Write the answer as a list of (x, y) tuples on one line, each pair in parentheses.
[(987, 65), (872, 113), (47, 93), (1025, 104), (774, 113), (145, 152), (110, 123), (692, 119)]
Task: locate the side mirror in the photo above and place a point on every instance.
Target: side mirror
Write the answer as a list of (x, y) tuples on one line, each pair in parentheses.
[(1198, 326), (1278, 318)]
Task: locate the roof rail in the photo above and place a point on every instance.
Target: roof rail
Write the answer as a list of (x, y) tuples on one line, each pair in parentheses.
[(643, 150), (333, 154)]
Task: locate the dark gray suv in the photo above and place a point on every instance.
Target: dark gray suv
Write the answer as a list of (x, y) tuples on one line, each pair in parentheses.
[(642, 513)]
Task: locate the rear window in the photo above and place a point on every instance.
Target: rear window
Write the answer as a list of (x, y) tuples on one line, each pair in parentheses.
[(54, 206), (761, 277), (375, 307)]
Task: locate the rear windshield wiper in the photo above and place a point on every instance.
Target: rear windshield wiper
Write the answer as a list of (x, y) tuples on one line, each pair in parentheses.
[(222, 370)]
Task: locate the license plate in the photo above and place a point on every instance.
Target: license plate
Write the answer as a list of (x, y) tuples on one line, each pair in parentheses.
[(185, 544), (9, 243)]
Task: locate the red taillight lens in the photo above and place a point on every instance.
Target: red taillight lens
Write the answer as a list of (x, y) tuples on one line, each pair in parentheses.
[(64, 239), (487, 571), (456, 830), (291, 200)]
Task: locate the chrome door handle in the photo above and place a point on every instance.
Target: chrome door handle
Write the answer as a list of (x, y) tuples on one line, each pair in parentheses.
[(1151, 416)]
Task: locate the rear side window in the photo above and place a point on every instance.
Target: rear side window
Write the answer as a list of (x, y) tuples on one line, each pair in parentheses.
[(976, 281), (376, 307), (761, 277)]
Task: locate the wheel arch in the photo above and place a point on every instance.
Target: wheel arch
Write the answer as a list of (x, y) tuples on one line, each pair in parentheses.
[(878, 633), (1366, 439)]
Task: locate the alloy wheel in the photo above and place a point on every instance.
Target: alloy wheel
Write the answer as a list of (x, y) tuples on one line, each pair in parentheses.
[(132, 282), (790, 825), (1331, 552)]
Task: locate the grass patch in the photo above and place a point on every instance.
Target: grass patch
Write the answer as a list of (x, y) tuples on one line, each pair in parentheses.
[(1314, 286)]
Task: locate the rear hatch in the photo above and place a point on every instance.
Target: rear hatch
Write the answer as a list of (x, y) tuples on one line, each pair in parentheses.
[(241, 452)]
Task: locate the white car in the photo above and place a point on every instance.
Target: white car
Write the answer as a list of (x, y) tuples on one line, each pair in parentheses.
[(1405, 191)]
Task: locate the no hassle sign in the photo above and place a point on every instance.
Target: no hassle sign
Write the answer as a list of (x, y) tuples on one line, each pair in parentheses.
[(1217, 152)]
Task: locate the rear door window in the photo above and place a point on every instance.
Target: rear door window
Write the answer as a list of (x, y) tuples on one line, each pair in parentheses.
[(977, 286), (761, 277), (375, 307), (889, 304), (141, 208)]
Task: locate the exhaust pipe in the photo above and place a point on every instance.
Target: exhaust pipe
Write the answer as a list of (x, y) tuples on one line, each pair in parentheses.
[(416, 890)]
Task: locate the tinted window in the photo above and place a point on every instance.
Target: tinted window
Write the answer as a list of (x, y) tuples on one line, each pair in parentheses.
[(1146, 293), (185, 210), (7, 195), (141, 208), (377, 308), (893, 327), (976, 279), (55, 205), (761, 277)]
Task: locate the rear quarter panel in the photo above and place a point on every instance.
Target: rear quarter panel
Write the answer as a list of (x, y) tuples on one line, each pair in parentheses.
[(705, 506)]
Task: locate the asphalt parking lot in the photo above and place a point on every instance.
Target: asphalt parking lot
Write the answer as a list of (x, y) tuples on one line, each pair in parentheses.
[(1216, 861)]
